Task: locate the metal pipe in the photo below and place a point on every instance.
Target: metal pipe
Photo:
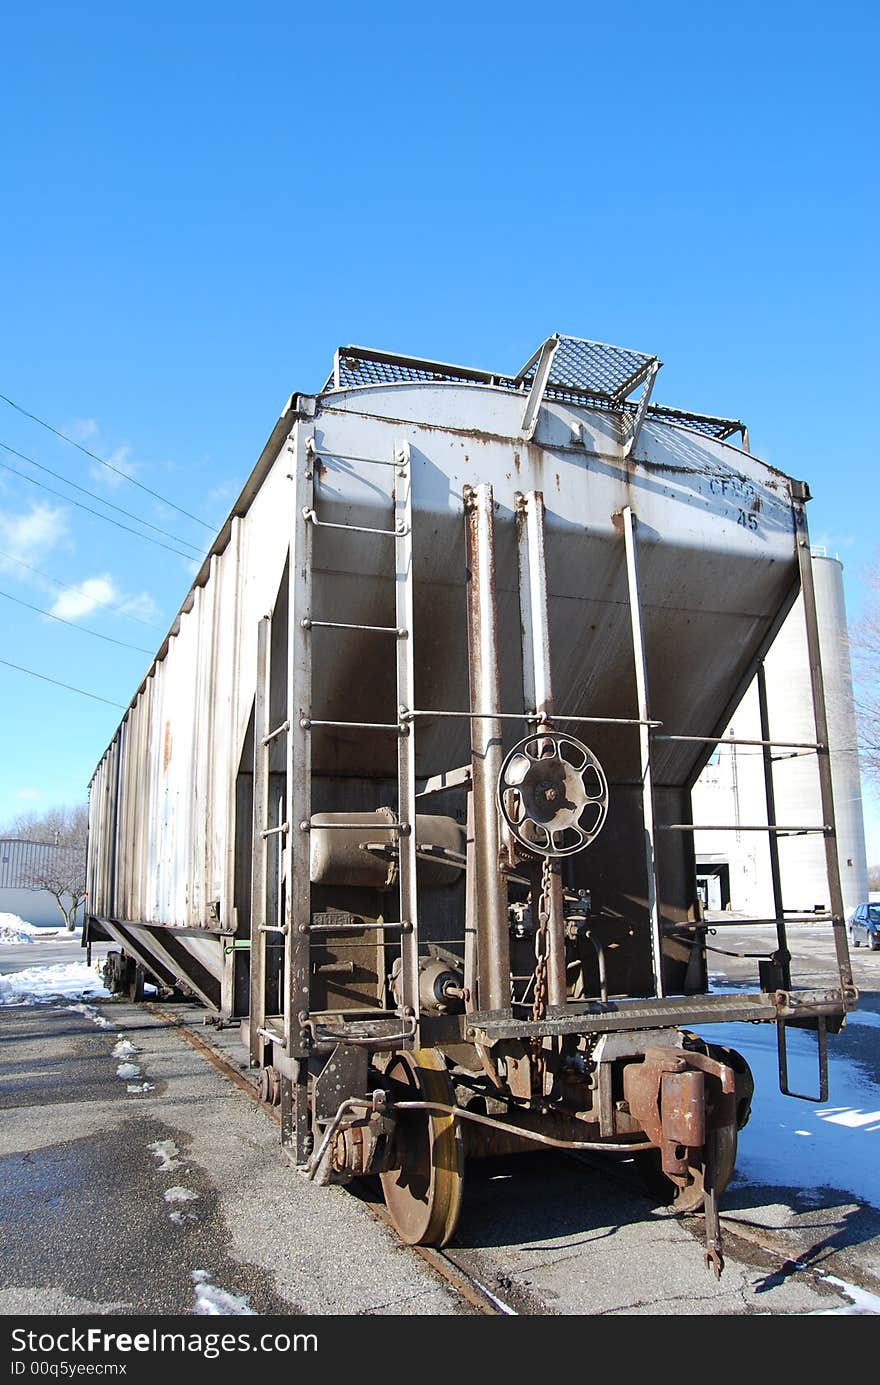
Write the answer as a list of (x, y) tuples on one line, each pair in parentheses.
[(773, 839), (638, 642), (274, 831), (487, 752), (297, 972), (259, 852), (308, 624), (345, 457), (739, 740), (404, 614), (738, 827), (751, 923), (533, 716), (600, 955), (353, 1103), (438, 1108), (311, 518), (538, 693)]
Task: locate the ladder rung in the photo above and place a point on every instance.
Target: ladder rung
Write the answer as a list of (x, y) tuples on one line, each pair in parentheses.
[(737, 827), (356, 927), (308, 624), (756, 923), (307, 723), (312, 518), (402, 827), (273, 831), (279, 731), (739, 740), (347, 457), (271, 928)]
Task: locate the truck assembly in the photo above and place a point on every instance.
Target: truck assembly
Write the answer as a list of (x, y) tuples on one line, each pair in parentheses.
[(406, 790)]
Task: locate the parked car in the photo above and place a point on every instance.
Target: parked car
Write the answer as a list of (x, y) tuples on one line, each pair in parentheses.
[(864, 927)]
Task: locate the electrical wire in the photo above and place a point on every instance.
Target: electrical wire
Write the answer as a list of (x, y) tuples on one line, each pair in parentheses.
[(72, 623), (68, 686), (95, 458), (70, 501), (105, 605), (59, 476)]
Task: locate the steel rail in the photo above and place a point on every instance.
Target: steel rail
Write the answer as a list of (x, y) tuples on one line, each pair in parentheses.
[(446, 1269)]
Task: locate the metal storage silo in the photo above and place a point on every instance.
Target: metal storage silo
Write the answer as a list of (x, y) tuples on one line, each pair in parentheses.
[(736, 866), (796, 780)]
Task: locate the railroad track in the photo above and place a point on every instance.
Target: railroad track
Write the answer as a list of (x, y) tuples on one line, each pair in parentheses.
[(455, 1276), (452, 1268)]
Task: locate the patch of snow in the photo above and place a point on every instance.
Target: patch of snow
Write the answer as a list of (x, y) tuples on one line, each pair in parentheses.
[(91, 1013), (14, 929), (166, 1152), (140, 1087), (43, 985), (214, 1301), (180, 1194), (862, 1301), (124, 1048), (181, 1218), (128, 1071)]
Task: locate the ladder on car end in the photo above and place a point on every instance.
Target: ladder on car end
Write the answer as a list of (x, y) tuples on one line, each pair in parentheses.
[(292, 919)]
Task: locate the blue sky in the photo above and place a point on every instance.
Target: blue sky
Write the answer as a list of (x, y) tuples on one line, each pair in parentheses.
[(201, 202)]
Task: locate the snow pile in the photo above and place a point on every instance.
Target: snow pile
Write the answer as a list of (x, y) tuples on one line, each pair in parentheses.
[(128, 1071), (43, 985), (214, 1301), (15, 930), (180, 1194)]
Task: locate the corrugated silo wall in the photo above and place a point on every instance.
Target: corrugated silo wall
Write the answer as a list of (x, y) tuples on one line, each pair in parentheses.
[(797, 791), (732, 791)]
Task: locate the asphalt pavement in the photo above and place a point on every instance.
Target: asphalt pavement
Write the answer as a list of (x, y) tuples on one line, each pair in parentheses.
[(165, 1191)]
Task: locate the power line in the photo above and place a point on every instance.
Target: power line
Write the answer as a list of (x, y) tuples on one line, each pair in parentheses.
[(100, 499), (85, 630), (108, 605), (68, 686), (70, 501), (95, 458)]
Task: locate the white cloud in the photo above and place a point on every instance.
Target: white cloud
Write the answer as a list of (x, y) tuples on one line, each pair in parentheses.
[(831, 543), (121, 460), (31, 536), (84, 429), (143, 606), (94, 593), (83, 598), (29, 795)]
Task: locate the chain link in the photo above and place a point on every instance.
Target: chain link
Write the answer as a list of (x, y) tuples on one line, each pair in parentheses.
[(544, 904)]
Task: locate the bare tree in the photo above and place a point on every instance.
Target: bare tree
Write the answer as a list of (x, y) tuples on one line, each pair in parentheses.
[(61, 871)]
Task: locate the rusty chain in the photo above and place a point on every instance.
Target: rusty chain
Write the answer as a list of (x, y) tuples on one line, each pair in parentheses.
[(543, 906)]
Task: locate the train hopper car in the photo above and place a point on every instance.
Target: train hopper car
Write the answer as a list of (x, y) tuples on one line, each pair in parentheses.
[(406, 790)]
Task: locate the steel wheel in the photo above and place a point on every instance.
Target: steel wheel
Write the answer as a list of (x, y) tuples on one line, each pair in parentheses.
[(423, 1193)]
